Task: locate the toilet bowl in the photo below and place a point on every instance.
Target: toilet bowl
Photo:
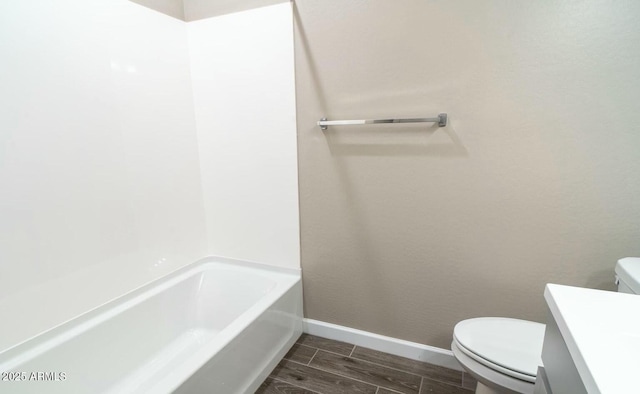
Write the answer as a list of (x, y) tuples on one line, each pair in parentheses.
[(502, 354)]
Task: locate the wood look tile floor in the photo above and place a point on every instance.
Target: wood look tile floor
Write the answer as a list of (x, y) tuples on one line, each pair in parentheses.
[(317, 365)]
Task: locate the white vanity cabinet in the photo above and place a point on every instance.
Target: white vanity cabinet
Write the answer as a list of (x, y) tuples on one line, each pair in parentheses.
[(592, 342)]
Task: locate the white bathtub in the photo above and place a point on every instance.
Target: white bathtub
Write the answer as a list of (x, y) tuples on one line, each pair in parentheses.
[(216, 326)]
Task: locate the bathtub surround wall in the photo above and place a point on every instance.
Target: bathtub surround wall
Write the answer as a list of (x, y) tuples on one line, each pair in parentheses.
[(244, 88), (99, 169), (98, 157), (408, 229)]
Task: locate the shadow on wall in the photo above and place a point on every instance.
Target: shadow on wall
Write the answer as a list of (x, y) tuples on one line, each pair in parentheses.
[(603, 279), (416, 140), (313, 69), (436, 141)]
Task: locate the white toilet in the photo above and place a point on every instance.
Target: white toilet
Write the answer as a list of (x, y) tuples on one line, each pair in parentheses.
[(504, 354), (628, 275)]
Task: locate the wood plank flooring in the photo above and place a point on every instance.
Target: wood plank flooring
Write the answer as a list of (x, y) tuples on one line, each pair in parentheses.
[(316, 365)]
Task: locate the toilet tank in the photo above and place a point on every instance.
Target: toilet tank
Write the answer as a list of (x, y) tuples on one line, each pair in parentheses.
[(628, 275)]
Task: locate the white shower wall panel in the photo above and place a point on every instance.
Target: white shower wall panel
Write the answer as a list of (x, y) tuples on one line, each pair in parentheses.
[(99, 174), (242, 67)]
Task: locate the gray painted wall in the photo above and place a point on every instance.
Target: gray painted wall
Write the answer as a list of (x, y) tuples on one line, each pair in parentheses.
[(174, 8), (408, 229), (200, 9)]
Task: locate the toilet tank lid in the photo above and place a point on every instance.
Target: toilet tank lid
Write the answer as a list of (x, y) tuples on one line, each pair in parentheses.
[(628, 270)]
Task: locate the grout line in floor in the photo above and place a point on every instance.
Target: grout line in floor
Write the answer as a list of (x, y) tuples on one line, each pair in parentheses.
[(409, 372), (351, 378), (328, 351), (386, 366), (393, 390), (413, 373), (294, 385), (312, 357), (422, 377), (327, 371)]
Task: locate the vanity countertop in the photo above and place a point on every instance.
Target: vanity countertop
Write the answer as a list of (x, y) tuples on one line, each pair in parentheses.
[(602, 332)]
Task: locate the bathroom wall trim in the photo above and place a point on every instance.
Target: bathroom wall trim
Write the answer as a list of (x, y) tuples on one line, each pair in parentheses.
[(398, 347)]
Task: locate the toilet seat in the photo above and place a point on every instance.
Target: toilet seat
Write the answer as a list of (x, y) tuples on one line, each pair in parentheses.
[(490, 380), (493, 366), (512, 347)]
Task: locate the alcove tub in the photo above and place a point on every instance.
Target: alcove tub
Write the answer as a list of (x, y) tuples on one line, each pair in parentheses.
[(215, 326)]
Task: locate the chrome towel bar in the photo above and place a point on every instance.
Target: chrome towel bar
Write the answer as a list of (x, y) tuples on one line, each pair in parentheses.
[(324, 124)]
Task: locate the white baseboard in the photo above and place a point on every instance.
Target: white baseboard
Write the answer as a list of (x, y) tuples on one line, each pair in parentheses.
[(398, 347)]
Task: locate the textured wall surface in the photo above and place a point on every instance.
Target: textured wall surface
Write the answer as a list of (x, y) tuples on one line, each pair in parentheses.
[(200, 9), (408, 229), (174, 8)]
